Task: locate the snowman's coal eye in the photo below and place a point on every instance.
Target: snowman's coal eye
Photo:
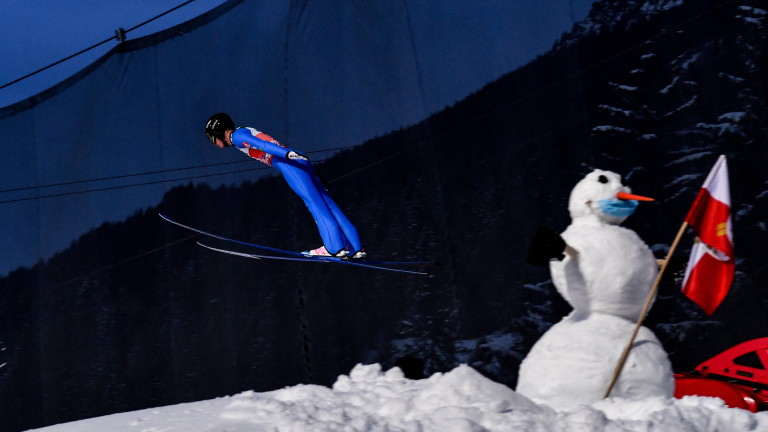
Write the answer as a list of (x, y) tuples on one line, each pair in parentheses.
[(602, 179)]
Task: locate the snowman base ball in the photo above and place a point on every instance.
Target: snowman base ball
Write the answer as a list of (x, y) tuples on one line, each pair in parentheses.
[(573, 363)]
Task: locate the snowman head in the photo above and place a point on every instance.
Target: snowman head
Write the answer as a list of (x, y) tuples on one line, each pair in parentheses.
[(602, 195)]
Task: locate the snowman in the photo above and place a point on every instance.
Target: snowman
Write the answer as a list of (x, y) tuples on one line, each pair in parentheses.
[(605, 272)]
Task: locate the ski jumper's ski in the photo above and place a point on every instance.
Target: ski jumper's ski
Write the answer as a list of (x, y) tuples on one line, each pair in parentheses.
[(312, 259), (298, 256)]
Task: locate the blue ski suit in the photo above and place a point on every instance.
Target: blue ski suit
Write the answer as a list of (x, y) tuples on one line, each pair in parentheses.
[(336, 231)]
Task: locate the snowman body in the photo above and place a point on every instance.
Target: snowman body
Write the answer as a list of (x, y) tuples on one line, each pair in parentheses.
[(613, 272), (606, 278), (573, 362)]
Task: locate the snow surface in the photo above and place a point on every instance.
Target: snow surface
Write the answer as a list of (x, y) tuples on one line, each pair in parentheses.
[(369, 399)]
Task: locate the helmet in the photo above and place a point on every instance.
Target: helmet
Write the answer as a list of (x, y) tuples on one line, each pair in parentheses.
[(217, 125)]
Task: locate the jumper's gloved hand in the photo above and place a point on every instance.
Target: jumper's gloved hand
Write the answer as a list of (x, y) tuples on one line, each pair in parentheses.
[(546, 245), (296, 156)]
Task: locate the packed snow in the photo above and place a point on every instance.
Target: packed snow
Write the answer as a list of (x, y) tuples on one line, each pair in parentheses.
[(369, 399)]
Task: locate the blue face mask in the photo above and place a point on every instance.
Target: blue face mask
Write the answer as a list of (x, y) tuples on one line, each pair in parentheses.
[(618, 208)]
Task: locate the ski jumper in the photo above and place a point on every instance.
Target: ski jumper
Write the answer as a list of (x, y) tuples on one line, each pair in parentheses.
[(336, 231)]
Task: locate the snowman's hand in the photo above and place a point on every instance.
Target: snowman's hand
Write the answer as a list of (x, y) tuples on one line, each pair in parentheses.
[(546, 245)]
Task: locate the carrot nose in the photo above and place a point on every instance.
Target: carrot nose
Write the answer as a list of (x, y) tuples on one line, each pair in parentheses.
[(629, 196)]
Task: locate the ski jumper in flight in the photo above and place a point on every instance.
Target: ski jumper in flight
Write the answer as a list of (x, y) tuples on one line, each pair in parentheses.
[(339, 236)]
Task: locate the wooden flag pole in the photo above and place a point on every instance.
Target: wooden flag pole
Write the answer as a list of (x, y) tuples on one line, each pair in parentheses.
[(646, 307)]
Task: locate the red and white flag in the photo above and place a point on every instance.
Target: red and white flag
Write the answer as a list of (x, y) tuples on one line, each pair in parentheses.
[(711, 266)]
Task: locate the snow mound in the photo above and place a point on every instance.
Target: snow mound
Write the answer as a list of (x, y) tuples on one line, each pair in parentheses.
[(460, 400), (370, 400)]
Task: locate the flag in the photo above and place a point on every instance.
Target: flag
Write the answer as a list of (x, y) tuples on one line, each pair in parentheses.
[(711, 266)]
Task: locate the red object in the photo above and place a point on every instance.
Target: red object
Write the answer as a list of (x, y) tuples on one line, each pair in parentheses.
[(738, 376), (710, 269)]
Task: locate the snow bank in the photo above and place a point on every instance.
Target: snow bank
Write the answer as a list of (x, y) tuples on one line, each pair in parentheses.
[(460, 400)]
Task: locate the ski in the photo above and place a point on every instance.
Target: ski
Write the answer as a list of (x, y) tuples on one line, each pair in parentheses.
[(312, 259), (297, 256)]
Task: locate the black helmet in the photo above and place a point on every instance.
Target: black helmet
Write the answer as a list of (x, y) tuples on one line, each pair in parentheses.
[(217, 125)]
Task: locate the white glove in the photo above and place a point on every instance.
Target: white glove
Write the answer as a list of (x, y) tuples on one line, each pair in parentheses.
[(296, 156)]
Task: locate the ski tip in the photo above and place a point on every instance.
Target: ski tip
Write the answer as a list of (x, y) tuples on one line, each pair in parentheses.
[(229, 252)]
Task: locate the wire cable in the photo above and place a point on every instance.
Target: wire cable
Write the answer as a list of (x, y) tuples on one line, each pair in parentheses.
[(83, 51), (156, 17), (26, 188), (126, 186), (148, 183), (73, 182)]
